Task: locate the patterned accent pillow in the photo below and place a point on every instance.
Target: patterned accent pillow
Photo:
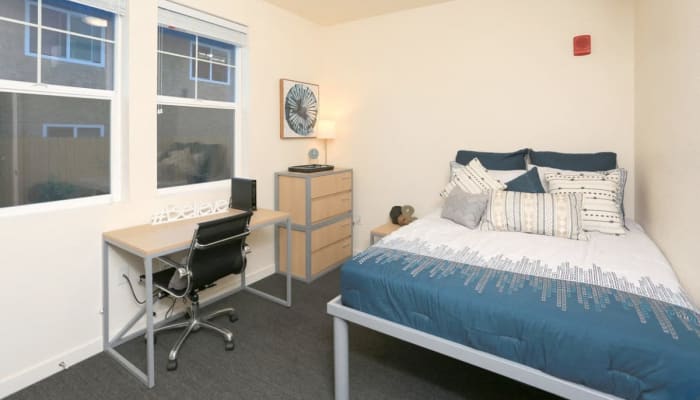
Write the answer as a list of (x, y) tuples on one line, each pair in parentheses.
[(472, 178), (539, 213), (601, 204)]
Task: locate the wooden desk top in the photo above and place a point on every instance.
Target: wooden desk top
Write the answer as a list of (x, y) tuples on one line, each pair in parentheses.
[(385, 229), (155, 240)]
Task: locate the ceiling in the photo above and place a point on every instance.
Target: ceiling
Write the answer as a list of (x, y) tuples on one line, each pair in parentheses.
[(330, 12)]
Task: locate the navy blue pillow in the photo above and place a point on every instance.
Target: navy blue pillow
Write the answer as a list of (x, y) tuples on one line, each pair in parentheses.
[(528, 182), (497, 161), (573, 161)]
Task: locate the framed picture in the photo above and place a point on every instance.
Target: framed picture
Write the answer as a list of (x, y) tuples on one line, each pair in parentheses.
[(298, 109)]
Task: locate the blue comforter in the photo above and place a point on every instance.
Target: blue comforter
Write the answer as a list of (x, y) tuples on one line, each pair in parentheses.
[(628, 345)]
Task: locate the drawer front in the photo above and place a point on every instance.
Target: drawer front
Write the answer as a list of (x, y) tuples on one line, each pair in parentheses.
[(322, 237), (329, 184), (330, 206), (323, 258)]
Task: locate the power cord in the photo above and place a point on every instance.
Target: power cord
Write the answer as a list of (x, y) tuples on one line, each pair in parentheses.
[(133, 293)]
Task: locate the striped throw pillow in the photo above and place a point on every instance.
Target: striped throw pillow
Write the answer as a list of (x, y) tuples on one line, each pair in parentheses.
[(601, 203), (538, 213), (472, 178)]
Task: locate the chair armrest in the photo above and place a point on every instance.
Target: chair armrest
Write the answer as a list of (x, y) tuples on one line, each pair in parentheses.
[(181, 269)]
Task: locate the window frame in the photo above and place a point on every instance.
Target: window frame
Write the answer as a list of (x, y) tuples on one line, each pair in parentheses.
[(114, 96), (240, 54), (67, 33)]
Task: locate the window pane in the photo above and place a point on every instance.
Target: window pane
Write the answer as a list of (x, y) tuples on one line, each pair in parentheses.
[(218, 88), (88, 50), (89, 132), (59, 132), (194, 145), (87, 26), (53, 44), (174, 76), (82, 71), (172, 41), (54, 18), (204, 70), (16, 63), (51, 168)]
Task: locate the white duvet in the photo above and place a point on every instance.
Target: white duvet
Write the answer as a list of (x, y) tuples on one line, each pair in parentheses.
[(632, 263)]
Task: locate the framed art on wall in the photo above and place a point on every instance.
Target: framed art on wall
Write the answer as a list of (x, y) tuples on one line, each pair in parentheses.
[(298, 109)]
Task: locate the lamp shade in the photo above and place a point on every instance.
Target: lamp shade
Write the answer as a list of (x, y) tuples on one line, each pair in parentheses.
[(326, 129)]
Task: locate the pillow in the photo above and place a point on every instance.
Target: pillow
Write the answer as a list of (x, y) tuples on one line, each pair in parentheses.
[(472, 178), (501, 176), (542, 171), (539, 213), (497, 161), (573, 161), (465, 208), (601, 209), (528, 182)]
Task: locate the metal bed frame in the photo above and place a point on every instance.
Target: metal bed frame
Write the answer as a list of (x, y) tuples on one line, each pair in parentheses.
[(528, 375)]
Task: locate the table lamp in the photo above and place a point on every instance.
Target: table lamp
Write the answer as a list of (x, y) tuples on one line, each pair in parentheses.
[(326, 131)]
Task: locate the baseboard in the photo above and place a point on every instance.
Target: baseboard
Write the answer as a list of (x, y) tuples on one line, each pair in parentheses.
[(28, 376), (21, 379)]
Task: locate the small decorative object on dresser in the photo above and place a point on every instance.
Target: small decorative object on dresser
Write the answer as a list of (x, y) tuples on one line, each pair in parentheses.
[(320, 205), (298, 109)]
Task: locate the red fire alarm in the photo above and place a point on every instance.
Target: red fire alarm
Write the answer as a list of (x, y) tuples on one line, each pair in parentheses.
[(582, 45)]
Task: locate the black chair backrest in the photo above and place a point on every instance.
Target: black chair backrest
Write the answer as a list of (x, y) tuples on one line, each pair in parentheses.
[(218, 249)]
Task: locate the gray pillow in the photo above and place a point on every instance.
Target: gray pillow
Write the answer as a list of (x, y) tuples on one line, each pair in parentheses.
[(465, 208)]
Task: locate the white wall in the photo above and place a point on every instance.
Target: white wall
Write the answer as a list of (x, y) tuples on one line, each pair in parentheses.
[(409, 89), (667, 138), (52, 260)]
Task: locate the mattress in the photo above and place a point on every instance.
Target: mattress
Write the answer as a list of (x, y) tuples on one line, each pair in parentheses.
[(608, 313)]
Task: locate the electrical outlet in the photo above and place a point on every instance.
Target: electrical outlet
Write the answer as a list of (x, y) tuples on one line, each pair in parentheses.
[(357, 220)]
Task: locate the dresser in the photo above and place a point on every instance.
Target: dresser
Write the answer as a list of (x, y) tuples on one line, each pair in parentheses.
[(320, 206)]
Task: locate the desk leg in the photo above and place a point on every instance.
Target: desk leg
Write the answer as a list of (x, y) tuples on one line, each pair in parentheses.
[(105, 296), (288, 261), (150, 351)]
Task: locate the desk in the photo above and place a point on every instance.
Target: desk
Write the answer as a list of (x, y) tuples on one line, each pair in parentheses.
[(151, 241)]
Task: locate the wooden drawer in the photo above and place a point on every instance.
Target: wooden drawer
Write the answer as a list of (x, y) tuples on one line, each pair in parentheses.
[(330, 184), (323, 258), (330, 206), (330, 234)]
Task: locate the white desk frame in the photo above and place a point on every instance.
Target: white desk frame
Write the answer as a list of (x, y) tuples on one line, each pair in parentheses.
[(269, 218)]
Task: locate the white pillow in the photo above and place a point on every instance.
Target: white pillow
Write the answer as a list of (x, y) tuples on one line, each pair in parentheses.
[(501, 176), (539, 213), (601, 209), (472, 178)]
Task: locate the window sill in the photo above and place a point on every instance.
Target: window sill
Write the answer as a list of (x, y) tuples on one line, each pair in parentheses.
[(54, 206), (195, 187)]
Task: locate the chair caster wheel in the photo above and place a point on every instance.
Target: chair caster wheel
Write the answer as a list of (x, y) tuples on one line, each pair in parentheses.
[(172, 365), (230, 346), (233, 317)]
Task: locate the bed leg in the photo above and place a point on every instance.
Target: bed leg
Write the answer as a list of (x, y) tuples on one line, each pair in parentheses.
[(340, 352)]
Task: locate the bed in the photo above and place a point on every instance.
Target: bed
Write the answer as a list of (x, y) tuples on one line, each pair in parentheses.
[(599, 319)]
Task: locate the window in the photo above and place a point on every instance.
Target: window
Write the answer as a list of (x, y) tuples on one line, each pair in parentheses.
[(210, 63), (73, 131), (67, 35), (57, 102), (198, 80)]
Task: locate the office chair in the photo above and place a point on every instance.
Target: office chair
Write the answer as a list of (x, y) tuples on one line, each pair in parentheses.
[(218, 249)]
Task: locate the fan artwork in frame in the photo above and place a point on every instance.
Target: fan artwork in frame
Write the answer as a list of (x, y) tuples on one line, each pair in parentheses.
[(298, 109)]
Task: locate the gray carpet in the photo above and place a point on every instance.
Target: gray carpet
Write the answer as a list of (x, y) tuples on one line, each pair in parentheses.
[(281, 354)]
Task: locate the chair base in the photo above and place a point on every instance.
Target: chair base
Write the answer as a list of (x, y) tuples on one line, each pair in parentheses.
[(195, 323)]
